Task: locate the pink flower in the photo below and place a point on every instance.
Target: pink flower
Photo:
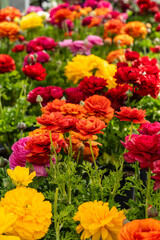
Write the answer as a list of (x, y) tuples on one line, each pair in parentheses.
[(81, 47), (91, 3), (149, 128), (38, 57), (65, 43), (104, 4), (156, 170), (142, 148), (95, 40), (33, 9)]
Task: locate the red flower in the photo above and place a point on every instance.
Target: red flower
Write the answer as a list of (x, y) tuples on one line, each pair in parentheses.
[(142, 148), (92, 85), (129, 114), (149, 128), (86, 21), (7, 64), (157, 17), (41, 43), (74, 95), (36, 71), (118, 95), (18, 48), (127, 75), (156, 170), (155, 49), (131, 55), (158, 28)]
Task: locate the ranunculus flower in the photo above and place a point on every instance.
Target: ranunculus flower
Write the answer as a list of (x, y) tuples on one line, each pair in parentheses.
[(143, 229), (100, 107), (91, 3), (75, 95), (54, 106), (36, 72), (157, 17), (41, 43), (74, 110), (65, 43), (33, 9), (131, 55), (9, 13), (131, 114), (86, 21), (37, 57), (92, 85), (7, 64), (155, 49), (80, 47), (149, 128), (142, 148), (18, 48), (95, 40)]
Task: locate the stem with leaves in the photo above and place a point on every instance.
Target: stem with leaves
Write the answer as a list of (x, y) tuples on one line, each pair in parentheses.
[(148, 190)]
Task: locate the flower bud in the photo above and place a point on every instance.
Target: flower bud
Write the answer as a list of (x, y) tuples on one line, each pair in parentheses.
[(152, 212), (39, 99), (129, 93), (21, 125)]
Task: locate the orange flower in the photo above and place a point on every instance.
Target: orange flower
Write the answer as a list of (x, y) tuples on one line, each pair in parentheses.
[(123, 39), (50, 121), (108, 41), (74, 110), (145, 229), (10, 30), (9, 13), (63, 14), (116, 56), (95, 21), (40, 147), (53, 106), (90, 126), (129, 114), (37, 132), (77, 135), (100, 11), (113, 27), (100, 107), (136, 29), (85, 11)]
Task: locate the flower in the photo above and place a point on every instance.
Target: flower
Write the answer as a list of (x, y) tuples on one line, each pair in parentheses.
[(86, 21), (95, 40), (38, 57), (136, 29), (90, 126), (90, 3), (34, 9), (53, 106), (98, 221), (18, 48), (36, 71), (41, 43), (7, 64), (31, 20), (100, 107), (142, 148), (6, 222), (82, 66), (80, 47), (74, 110), (32, 212), (9, 13), (123, 39), (131, 114), (20, 176), (131, 55), (95, 21), (142, 229), (149, 128), (65, 43), (92, 85), (116, 55), (113, 27), (155, 49), (74, 95), (9, 30)]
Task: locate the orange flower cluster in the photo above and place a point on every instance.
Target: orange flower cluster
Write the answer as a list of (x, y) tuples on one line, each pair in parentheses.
[(9, 13), (63, 14), (83, 121), (9, 30), (136, 29)]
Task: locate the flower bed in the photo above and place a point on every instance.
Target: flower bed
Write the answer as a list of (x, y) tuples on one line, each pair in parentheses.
[(80, 121)]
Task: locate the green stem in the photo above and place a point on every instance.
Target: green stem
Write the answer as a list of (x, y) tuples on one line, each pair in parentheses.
[(70, 145), (56, 223), (53, 148), (148, 189), (90, 144)]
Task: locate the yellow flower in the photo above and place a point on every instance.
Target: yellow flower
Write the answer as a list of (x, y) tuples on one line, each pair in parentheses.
[(20, 176), (82, 66), (98, 221), (31, 20), (6, 222), (33, 213)]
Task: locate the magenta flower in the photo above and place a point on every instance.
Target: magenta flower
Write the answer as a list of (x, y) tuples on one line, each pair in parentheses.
[(81, 47), (75, 95), (41, 43), (149, 128), (38, 57), (33, 9), (104, 4), (95, 40)]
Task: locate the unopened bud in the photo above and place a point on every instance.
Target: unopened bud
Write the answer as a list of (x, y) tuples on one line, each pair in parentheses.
[(3, 162), (129, 93), (152, 212), (39, 99), (21, 125), (81, 103)]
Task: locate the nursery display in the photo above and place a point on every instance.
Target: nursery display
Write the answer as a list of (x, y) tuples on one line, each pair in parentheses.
[(80, 121)]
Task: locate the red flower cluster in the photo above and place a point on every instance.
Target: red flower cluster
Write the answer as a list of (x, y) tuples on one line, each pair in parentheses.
[(47, 93), (7, 64), (18, 48), (41, 43), (92, 85), (147, 6), (36, 71), (143, 74)]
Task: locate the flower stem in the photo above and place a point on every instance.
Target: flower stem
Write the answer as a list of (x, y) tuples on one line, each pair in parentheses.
[(56, 224), (148, 189), (90, 144), (52, 148)]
